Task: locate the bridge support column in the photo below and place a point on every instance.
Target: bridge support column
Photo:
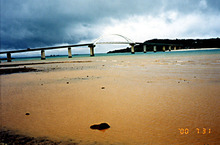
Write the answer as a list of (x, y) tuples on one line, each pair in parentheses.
[(8, 57), (169, 48), (145, 48), (43, 55), (174, 48), (164, 48), (91, 50), (155, 48), (69, 52), (132, 48)]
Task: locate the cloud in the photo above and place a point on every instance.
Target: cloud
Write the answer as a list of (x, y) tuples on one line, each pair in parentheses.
[(167, 25), (39, 23)]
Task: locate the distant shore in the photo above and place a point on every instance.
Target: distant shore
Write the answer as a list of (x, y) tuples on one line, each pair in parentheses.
[(178, 43), (193, 49)]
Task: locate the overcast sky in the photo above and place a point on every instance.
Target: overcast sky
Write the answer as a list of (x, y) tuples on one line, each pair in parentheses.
[(38, 23)]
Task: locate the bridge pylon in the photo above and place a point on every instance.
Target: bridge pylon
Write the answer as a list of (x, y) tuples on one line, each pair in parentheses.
[(92, 49), (69, 52), (145, 48), (132, 48)]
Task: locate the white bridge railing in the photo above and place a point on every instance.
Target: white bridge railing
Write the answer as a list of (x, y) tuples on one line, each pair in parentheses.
[(113, 43)]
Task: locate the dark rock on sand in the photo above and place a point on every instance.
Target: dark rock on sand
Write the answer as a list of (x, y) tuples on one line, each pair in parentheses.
[(102, 87), (101, 126), (27, 113)]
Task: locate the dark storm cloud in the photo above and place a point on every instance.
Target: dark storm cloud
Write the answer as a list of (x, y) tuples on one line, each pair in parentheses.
[(36, 23)]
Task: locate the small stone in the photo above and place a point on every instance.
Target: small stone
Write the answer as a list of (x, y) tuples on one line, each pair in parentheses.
[(67, 82), (102, 87), (101, 126), (27, 113), (178, 82)]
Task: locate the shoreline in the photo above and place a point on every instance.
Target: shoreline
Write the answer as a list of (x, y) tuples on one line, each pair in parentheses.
[(83, 55), (194, 49)]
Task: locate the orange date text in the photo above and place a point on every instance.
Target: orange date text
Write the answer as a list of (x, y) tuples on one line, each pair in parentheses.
[(203, 131)]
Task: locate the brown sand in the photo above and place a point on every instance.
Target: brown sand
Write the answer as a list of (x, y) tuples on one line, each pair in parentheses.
[(144, 99)]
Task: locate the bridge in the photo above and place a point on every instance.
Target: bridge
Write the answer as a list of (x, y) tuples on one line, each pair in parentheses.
[(91, 46)]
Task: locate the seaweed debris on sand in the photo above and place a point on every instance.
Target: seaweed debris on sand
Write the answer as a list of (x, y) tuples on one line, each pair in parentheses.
[(10, 137)]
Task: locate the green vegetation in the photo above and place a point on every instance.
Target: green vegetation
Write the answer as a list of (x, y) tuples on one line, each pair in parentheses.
[(179, 43)]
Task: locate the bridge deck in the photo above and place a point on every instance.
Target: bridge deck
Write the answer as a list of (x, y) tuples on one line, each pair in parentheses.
[(113, 43), (88, 44), (44, 48), (157, 44)]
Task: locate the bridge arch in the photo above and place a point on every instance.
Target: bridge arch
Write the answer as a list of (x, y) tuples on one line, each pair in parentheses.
[(127, 40)]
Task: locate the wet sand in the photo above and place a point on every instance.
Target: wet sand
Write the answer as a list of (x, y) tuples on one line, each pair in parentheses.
[(145, 100)]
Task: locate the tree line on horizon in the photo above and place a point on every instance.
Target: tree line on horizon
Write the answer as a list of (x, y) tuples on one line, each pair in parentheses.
[(180, 43)]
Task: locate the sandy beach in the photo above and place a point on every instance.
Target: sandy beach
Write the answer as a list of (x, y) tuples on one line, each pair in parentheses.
[(145, 99)]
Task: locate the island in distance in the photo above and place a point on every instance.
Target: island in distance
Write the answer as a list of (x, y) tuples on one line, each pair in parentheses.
[(183, 43)]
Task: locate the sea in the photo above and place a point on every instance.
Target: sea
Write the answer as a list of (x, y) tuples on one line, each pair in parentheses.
[(151, 53)]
